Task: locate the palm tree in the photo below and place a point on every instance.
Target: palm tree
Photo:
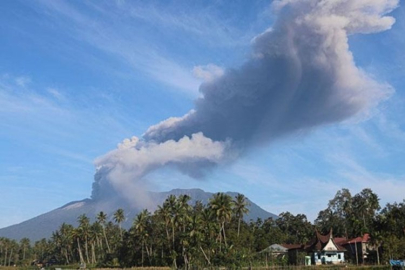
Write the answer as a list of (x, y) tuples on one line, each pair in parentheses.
[(75, 234), (66, 239), (94, 240), (102, 218), (24, 243), (141, 224), (173, 208), (119, 217), (240, 208), (164, 213), (84, 226), (184, 209), (221, 204)]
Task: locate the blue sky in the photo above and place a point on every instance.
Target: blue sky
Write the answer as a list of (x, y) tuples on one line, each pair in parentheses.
[(78, 77)]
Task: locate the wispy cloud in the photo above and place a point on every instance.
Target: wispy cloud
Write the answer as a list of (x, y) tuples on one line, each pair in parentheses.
[(50, 119), (111, 35), (202, 23), (22, 81)]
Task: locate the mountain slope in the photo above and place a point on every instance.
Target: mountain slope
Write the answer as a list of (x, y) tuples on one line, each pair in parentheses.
[(43, 225)]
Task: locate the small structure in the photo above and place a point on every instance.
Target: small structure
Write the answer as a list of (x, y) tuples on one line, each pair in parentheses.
[(325, 250), (275, 250), (360, 248), (282, 253)]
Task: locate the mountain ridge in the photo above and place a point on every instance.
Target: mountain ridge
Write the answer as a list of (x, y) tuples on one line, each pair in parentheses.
[(43, 225)]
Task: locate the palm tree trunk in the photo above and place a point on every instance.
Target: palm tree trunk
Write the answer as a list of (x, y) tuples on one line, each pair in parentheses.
[(5, 257), (120, 231), (80, 251), (9, 258), (149, 253), (167, 233), (106, 240), (142, 253), (238, 226), (86, 250), (173, 235), (223, 229), (93, 253), (66, 256)]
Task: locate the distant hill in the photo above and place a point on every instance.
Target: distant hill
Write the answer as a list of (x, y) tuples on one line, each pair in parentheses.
[(43, 225)]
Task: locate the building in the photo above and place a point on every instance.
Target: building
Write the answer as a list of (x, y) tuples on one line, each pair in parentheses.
[(360, 248), (324, 249)]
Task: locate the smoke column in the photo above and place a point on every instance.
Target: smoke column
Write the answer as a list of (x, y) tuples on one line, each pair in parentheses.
[(301, 75)]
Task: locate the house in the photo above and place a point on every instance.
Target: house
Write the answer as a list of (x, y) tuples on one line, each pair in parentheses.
[(276, 250), (360, 248), (281, 252), (324, 249)]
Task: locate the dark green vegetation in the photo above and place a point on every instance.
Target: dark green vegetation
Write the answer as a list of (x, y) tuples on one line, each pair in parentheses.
[(182, 235)]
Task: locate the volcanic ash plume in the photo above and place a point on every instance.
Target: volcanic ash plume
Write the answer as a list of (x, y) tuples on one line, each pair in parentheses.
[(301, 75)]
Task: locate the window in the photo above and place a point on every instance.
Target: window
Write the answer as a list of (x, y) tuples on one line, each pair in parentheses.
[(339, 256)]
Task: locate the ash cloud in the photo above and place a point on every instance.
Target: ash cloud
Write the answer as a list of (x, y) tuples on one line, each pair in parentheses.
[(119, 172), (301, 75)]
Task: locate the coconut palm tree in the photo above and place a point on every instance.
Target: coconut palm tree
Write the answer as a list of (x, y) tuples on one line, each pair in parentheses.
[(84, 226), (25, 244), (221, 204), (163, 213), (171, 204), (141, 224), (76, 234), (67, 241), (102, 218), (183, 210), (240, 208), (119, 217)]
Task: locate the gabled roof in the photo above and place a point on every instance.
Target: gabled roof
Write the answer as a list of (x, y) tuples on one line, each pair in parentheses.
[(320, 241), (340, 240)]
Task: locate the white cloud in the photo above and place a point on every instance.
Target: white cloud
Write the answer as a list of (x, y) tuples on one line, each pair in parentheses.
[(55, 93)]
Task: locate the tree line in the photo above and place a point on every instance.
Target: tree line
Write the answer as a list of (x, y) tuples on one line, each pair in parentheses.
[(181, 235)]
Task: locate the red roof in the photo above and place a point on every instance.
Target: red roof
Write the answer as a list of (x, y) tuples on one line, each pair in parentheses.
[(364, 239), (319, 242), (340, 240), (291, 246)]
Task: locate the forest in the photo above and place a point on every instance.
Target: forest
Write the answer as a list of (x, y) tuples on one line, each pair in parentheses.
[(181, 235)]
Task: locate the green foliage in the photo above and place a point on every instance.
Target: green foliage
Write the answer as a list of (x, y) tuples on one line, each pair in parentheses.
[(349, 216), (179, 235)]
